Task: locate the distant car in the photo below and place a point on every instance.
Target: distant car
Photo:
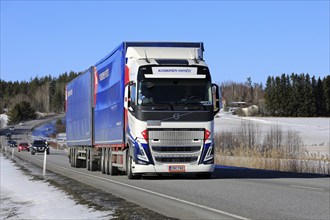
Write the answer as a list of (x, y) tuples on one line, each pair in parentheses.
[(21, 123), (12, 143), (8, 136), (23, 146), (39, 146), (12, 128)]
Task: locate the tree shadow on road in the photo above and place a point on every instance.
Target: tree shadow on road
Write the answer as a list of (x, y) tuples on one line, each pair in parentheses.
[(226, 172)]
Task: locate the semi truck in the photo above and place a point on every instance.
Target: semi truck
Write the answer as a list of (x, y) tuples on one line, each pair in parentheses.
[(145, 108)]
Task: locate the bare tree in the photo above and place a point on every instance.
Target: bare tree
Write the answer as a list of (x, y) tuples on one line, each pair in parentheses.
[(1, 123), (293, 143), (41, 100)]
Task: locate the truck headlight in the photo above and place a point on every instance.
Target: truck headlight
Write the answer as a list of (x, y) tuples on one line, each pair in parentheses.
[(141, 154), (209, 157)]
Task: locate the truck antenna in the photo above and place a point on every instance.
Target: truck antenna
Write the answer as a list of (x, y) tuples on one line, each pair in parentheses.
[(195, 58), (145, 54)]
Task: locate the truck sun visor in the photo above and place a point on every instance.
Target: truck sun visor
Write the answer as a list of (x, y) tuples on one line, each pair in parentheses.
[(175, 72)]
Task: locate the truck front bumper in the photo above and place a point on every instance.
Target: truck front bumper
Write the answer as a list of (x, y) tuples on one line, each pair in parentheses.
[(172, 168)]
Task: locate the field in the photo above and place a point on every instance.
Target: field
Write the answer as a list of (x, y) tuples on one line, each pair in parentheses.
[(314, 132), (283, 144)]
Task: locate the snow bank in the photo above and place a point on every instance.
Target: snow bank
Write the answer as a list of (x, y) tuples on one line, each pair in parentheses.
[(23, 198), (315, 132), (3, 120)]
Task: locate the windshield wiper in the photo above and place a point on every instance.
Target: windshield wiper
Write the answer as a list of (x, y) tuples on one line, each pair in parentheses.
[(189, 105)]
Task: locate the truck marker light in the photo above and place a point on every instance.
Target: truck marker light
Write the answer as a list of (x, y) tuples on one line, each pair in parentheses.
[(207, 134), (145, 134)]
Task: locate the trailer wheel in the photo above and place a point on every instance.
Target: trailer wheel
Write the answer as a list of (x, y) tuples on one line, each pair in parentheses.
[(73, 164), (106, 161), (72, 158), (103, 160), (88, 152), (130, 174), (112, 169), (77, 162)]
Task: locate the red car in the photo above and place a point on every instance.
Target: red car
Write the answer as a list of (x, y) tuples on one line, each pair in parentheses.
[(23, 146)]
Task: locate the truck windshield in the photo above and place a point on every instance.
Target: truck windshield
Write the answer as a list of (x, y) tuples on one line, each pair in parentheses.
[(174, 91)]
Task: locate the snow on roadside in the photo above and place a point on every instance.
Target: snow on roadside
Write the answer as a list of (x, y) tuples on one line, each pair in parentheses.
[(3, 120), (315, 132), (23, 198)]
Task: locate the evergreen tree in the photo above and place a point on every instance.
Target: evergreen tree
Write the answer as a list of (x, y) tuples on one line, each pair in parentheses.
[(308, 104), (269, 96), (326, 89), (278, 97), (21, 112)]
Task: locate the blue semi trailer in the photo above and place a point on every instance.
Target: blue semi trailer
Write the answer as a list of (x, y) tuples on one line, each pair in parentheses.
[(147, 107)]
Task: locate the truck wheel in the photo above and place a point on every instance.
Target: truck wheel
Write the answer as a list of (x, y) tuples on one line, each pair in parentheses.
[(77, 162), (88, 159), (91, 165), (106, 161), (103, 160), (112, 169), (71, 157), (73, 160), (130, 174)]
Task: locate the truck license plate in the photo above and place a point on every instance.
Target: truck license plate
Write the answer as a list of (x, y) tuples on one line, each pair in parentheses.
[(177, 168)]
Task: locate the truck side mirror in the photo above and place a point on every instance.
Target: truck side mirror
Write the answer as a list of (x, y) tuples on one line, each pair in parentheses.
[(130, 96), (217, 102)]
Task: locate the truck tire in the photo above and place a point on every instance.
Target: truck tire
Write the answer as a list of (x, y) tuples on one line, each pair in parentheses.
[(91, 165), (112, 170), (103, 160), (88, 164), (106, 161), (72, 157), (77, 162), (130, 174)]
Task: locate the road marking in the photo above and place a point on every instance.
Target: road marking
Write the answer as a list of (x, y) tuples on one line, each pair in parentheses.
[(154, 193), (305, 187)]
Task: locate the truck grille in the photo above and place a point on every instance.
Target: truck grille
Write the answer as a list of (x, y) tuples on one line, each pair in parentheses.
[(176, 145), (176, 149), (177, 160)]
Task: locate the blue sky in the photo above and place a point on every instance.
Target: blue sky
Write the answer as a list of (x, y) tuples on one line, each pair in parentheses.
[(242, 38)]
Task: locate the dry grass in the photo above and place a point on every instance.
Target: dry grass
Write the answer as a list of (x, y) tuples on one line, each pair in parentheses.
[(276, 150)]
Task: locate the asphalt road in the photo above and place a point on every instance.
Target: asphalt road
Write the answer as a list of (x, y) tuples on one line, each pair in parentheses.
[(231, 193)]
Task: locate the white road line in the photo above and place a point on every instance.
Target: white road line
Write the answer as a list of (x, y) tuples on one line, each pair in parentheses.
[(305, 187), (156, 193)]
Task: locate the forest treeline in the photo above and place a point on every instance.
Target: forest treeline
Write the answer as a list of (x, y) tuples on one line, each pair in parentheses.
[(295, 95), (45, 94), (286, 95)]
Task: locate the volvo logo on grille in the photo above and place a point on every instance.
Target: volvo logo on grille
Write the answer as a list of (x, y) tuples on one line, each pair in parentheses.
[(176, 116)]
